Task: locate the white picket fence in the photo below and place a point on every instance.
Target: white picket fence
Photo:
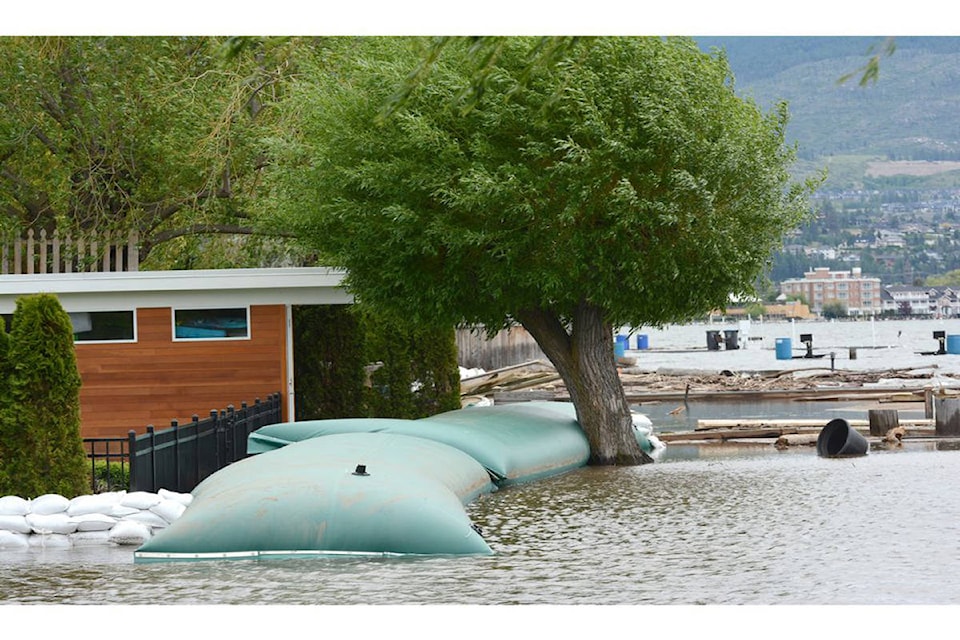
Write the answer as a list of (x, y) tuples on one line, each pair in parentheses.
[(40, 252)]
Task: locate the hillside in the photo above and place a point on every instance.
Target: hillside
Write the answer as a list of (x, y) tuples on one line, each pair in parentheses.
[(891, 202), (909, 113)]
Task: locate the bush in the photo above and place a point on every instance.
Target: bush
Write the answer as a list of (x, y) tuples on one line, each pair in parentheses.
[(351, 362), (42, 447), (110, 476)]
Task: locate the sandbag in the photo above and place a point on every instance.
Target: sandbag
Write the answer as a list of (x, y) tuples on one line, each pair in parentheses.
[(183, 498), (14, 506), (52, 523), (363, 493), (94, 522), (50, 541), (119, 511), (15, 523), (90, 538), (129, 533), (96, 503), (13, 540), (148, 518), (168, 509), (140, 499), (49, 504)]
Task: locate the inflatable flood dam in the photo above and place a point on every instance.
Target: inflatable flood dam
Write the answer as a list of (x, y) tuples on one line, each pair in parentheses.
[(375, 486)]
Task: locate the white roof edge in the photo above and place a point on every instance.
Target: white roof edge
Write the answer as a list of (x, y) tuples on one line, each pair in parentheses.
[(174, 280), (166, 288)]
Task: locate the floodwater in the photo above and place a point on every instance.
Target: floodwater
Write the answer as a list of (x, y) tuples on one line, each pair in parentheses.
[(713, 524), (877, 346)]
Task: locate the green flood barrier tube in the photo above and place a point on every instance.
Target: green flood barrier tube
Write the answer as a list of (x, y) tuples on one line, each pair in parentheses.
[(516, 443), (344, 494)]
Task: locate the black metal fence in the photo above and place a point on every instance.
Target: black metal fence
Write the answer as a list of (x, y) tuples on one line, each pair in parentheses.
[(180, 457)]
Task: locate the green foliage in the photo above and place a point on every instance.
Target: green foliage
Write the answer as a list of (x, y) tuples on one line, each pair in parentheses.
[(351, 362), (6, 425), (43, 448), (627, 173), (158, 134), (949, 279), (110, 476), (329, 361), (418, 376), (833, 309), (755, 309)]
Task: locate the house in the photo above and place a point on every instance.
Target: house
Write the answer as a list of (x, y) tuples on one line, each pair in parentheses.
[(153, 346)]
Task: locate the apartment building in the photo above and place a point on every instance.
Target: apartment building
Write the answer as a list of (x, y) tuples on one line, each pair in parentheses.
[(860, 294)]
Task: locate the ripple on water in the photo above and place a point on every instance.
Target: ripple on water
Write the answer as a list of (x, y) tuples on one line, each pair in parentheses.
[(737, 528)]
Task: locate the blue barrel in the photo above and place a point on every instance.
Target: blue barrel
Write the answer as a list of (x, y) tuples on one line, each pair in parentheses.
[(620, 346), (643, 341), (953, 344), (784, 349)]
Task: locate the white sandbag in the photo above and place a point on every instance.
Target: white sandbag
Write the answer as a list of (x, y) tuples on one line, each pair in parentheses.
[(148, 518), (96, 503), (52, 523), (14, 506), (95, 522), (169, 510), (183, 498), (90, 538), (129, 532), (15, 523), (50, 541), (13, 540), (140, 499), (48, 504), (119, 511)]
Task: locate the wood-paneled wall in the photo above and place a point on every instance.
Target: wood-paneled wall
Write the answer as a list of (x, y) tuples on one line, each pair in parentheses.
[(155, 380)]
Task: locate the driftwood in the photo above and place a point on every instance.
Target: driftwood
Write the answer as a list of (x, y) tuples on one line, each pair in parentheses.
[(521, 376)]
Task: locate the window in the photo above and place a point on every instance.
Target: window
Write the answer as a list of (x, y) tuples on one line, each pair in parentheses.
[(210, 324), (103, 326)]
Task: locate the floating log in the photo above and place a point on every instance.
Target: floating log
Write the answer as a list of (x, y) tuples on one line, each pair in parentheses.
[(801, 423), (796, 439)]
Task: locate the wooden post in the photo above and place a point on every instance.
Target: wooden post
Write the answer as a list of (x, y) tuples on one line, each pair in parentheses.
[(947, 420), (882, 420), (928, 403)]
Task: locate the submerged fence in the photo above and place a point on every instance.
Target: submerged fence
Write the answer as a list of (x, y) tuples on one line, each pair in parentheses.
[(180, 457)]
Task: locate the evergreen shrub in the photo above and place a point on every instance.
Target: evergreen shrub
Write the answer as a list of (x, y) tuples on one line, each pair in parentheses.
[(42, 447)]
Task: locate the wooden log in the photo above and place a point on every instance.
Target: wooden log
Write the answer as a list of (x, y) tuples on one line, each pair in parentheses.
[(796, 439), (882, 420)]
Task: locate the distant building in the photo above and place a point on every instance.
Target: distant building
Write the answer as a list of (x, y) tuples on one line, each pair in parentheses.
[(907, 300), (861, 295)]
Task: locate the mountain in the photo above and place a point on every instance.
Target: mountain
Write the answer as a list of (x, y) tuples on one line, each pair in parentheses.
[(909, 113)]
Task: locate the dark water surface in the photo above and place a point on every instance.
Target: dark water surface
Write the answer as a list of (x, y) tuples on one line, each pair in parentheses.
[(719, 524)]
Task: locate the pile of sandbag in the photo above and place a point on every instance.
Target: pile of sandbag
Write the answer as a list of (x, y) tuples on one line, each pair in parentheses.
[(114, 518)]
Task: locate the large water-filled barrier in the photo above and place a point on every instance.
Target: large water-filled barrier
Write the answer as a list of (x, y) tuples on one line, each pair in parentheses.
[(371, 486)]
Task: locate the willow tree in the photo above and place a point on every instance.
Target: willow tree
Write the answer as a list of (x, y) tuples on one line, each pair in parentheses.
[(623, 183)]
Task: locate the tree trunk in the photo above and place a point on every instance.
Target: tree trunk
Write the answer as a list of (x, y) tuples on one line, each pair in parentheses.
[(584, 358)]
